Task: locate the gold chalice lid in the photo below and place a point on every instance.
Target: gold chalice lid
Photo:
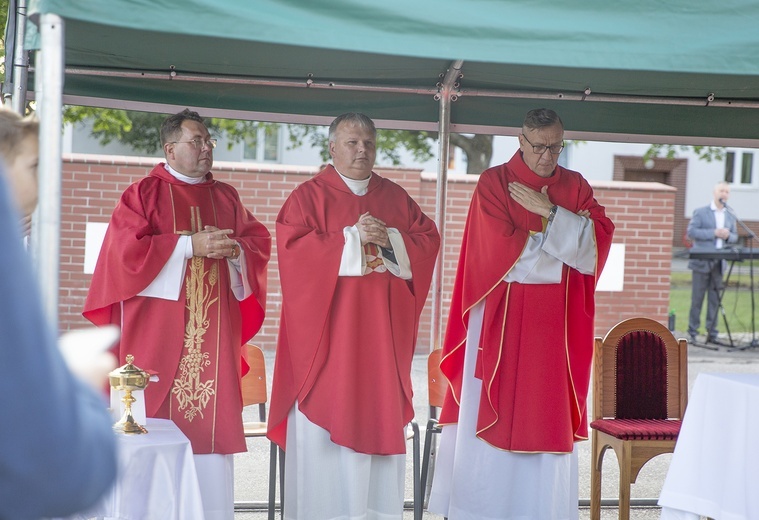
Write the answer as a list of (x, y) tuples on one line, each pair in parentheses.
[(129, 375)]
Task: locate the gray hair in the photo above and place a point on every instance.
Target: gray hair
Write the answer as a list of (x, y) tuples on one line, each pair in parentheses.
[(351, 117), (172, 126), (541, 118)]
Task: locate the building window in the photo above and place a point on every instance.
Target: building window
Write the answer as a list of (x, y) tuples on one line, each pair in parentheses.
[(263, 146), (747, 167), (739, 167)]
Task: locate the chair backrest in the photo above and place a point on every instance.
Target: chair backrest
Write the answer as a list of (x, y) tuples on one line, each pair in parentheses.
[(436, 382), (253, 383), (640, 371)]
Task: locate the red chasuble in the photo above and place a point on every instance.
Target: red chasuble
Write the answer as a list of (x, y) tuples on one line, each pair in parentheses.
[(346, 342), (195, 343), (536, 345)]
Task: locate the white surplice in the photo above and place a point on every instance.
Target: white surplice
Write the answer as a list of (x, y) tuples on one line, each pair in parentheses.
[(325, 481), (216, 480)]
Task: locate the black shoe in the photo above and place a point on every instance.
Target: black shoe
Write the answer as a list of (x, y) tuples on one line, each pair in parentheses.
[(692, 338), (714, 340)]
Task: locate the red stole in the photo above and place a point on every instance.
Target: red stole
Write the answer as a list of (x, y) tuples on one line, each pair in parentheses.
[(346, 343), (537, 339), (194, 344)]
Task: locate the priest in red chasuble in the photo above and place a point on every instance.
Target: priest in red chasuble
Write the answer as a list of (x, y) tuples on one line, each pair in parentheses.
[(356, 256), (519, 339), (182, 270)]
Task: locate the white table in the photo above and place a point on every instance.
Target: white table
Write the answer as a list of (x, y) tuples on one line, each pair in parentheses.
[(157, 478), (714, 470)]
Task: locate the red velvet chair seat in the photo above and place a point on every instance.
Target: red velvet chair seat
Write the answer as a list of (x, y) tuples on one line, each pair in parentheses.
[(639, 429)]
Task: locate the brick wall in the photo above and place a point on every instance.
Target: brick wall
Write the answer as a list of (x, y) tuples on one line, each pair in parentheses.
[(642, 212), (643, 215)]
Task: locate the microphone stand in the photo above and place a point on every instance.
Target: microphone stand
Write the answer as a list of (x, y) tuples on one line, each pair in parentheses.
[(751, 236)]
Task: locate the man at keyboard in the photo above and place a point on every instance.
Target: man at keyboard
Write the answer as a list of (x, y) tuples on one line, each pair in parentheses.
[(711, 227)]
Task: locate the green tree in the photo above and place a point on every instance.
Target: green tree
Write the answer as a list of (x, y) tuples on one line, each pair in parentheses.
[(3, 16), (478, 149), (140, 130), (3, 20), (669, 151), (390, 143)]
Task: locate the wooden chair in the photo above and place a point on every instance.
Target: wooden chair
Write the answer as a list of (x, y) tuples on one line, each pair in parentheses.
[(254, 392), (436, 387), (640, 391)]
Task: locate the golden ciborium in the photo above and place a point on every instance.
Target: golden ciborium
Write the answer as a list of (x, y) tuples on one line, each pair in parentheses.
[(128, 378)]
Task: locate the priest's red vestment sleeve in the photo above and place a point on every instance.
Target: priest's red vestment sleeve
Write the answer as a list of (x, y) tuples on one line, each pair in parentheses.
[(194, 343), (346, 342), (536, 341)]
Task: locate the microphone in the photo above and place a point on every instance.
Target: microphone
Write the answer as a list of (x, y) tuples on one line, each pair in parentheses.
[(729, 209)]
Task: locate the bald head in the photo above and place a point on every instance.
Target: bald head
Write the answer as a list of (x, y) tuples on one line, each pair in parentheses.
[(721, 194)]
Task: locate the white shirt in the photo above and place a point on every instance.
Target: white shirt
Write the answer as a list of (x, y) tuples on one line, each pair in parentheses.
[(719, 217)]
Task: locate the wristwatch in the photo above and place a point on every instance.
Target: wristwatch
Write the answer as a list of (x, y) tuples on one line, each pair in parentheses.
[(235, 252), (552, 212)]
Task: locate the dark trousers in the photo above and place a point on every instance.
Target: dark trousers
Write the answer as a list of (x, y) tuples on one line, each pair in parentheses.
[(711, 284)]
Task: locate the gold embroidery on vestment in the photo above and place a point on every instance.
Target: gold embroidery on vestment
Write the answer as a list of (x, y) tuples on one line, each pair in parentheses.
[(195, 221), (192, 393)]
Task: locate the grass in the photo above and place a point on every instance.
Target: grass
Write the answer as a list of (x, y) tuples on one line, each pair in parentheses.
[(736, 301)]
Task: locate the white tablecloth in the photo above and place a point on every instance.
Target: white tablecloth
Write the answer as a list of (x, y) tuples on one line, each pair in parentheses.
[(157, 478), (714, 470)]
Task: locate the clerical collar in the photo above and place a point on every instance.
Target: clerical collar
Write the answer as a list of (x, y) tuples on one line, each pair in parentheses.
[(182, 177), (358, 187)]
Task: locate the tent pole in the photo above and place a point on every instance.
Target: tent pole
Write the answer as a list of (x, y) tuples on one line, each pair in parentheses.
[(20, 60), (48, 84), (445, 95), (545, 95)]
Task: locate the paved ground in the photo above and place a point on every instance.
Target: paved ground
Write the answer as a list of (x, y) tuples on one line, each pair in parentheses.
[(251, 468), (637, 513)]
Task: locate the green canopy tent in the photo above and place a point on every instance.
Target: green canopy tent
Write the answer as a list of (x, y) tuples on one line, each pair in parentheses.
[(648, 71)]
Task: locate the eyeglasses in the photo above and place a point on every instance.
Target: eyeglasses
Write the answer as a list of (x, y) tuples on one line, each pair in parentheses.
[(199, 143), (540, 149)]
